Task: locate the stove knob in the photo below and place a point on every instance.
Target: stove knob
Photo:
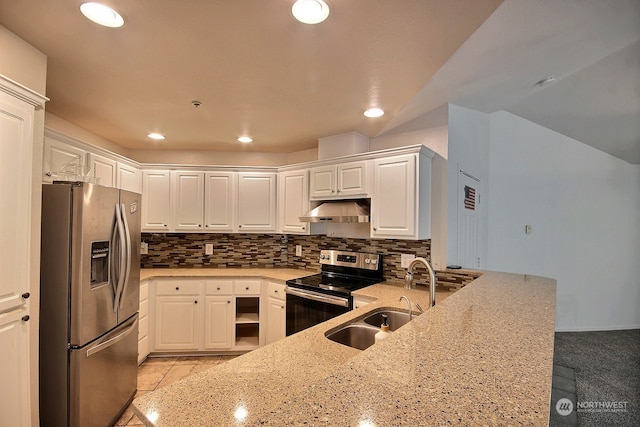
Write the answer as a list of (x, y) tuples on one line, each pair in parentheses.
[(374, 261), (367, 261)]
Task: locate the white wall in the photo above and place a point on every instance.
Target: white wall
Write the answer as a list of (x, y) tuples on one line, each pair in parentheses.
[(584, 206), (469, 151)]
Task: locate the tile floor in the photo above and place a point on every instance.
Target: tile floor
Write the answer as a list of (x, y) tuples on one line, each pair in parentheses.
[(156, 372)]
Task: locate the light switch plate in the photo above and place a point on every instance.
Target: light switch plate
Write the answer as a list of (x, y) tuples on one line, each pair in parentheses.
[(144, 248), (208, 249), (405, 260), (298, 250)]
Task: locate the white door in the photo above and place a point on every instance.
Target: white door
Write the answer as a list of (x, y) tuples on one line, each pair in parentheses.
[(352, 179), (58, 158), (218, 327), (468, 220), (103, 169), (188, 200), (322, 182), (128, 178), (156, 200), (177, 323), (293, 201), (256, 202), (219, 201)]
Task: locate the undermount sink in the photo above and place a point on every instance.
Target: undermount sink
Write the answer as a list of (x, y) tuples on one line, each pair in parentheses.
[(361, 334), (395, 319), (355, 335)]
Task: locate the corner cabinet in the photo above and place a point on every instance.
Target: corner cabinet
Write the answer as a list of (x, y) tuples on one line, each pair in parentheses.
[(256, 201), (293, 196), (401, 197)]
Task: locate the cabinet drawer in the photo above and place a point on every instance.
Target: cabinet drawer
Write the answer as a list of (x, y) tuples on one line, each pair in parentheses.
[(144, 308), (276, 290), (247, 287), (144, 290), (171, 287), (219, 287)]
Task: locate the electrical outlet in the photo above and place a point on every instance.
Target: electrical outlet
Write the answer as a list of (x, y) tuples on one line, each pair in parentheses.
[(405, 260), (298, 250), (144, 248), (208, 249)]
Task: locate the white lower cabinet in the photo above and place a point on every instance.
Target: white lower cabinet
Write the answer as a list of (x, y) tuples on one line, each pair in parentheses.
[(143, 322), (276, 312), (207, 315)]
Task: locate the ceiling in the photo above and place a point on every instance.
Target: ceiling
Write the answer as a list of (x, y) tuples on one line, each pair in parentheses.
[(259, 72)]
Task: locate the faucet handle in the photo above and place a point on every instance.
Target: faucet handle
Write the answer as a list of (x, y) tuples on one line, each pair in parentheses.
[(408, 280), (419, 308)]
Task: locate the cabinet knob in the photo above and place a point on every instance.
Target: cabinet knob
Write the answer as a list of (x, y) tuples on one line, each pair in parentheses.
[(195, 302), (48, 174), (240, 226), (217, 289), (375, 229), (164, 225), (26, 295), (25, 318), (247, 288), (206, 226), (177, 288), (282, 306), (303, 228), (228, 302), (199, 226), (276, 291)]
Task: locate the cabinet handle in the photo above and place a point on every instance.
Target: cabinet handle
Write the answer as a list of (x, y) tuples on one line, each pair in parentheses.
[(26, 295), (25, 318)]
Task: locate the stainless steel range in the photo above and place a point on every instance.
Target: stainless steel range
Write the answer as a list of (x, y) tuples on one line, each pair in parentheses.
[(319, 297)]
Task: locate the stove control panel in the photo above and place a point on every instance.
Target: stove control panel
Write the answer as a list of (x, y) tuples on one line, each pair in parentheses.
[(351, 259)]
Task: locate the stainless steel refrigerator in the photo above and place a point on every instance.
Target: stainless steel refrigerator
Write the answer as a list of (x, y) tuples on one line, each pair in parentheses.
[(89, 299)]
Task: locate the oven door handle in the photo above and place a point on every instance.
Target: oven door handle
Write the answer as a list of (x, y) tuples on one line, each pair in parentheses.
[(343, 302)]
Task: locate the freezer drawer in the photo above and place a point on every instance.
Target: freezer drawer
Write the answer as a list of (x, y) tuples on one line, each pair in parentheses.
[(103, 376)]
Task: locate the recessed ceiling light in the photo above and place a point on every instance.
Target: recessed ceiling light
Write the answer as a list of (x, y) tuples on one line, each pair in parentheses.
[(245, 139), (101, 14), (156, 136), (310, 11), (374, 112)]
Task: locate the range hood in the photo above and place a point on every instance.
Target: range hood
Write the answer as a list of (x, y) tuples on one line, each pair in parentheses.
[(339, 211)]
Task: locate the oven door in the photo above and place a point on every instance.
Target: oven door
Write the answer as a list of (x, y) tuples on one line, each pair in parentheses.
[(307, 308)]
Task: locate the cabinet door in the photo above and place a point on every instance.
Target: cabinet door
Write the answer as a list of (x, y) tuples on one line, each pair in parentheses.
[(103, 169), (394, 197), (57, 155), (177, 325), (352, 179), (187, 201), (256, 202), (219, 201), (128, 178), (14, 368), (218, 327), (276, 318), (293, 201), (156, 200), (322, 182)]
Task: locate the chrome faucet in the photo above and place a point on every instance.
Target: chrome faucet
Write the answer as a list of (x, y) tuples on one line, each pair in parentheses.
[(408, 279), (403, 297)]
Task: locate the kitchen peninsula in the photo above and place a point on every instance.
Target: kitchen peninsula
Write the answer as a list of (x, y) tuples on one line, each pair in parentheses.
[(482, 356)]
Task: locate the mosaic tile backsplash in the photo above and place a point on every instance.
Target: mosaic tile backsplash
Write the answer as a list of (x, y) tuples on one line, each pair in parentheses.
[(186, 250)]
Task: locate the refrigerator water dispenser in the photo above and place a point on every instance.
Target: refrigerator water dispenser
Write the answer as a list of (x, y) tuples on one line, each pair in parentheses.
[(99, 263)]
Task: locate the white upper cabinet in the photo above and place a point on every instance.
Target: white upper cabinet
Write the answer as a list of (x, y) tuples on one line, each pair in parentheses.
[(256, 201), (345, 180), (58, 160), (293, 201), (219, 201), (187, 201), (128, 178), (401, 197), (103, 169), (156, 200)]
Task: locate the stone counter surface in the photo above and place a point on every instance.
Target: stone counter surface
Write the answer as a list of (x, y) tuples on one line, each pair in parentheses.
[(482, 356)]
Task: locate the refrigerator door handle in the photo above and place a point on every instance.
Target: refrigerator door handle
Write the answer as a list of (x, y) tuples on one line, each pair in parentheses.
[(127, 268), (108, 340), (122, 257)]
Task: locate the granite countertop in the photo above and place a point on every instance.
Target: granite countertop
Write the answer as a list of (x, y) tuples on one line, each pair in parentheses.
[(482, 356)]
